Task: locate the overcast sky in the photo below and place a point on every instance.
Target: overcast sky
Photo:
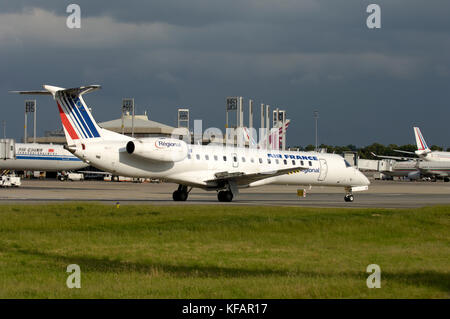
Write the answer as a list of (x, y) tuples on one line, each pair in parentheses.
[(368, 85)]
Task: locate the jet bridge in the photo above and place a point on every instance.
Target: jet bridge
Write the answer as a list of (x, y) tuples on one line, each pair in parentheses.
[(7, 149), (385, 165)]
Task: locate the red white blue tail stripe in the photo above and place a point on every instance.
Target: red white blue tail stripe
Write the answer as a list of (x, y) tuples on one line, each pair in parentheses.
[(75, 117), (421, 144)]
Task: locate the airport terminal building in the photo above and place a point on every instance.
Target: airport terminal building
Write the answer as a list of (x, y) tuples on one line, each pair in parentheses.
[(141, 125)]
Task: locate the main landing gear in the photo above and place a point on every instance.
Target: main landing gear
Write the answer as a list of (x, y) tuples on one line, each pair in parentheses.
[(225, 196), (181, 194), (349, 198)]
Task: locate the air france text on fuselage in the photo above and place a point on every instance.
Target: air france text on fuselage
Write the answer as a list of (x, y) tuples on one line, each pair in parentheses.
[(30, 150), (288, 156)]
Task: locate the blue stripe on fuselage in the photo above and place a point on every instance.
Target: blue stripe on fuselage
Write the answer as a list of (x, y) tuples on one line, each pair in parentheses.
[(47, 158)]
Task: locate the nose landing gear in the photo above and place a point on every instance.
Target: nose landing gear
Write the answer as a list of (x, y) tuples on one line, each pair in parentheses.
[(349, 198)]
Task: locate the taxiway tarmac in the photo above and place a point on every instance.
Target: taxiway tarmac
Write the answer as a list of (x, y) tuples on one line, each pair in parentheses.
[(384, 194)]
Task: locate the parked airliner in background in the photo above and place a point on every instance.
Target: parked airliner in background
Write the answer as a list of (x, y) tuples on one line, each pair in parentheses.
[(42, 157), (416, 169), (423, 151), (210, 167), (434, 164)]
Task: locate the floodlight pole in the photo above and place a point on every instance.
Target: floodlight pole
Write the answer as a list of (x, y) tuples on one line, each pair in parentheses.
[(275, 124), (34, 125), (132, 122), (123, 127), (250, 114), (267, 127), (241, 111), (316, 117), (25, 128), (283, 131), (262, 116), (226, 119)]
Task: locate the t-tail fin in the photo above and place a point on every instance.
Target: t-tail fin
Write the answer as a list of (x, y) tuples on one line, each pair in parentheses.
[(76, 119), (78, 123), (422, 146)]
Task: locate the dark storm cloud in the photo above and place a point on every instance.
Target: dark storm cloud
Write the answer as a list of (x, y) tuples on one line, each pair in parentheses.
[(369, 85)]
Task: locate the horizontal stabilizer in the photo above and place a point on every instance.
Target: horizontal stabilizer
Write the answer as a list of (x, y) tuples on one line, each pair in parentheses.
[(32, 92), (51, 90), (73, 91)]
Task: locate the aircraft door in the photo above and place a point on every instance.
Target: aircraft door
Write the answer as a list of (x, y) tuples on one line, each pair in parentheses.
[(235, 160), (323, 170)]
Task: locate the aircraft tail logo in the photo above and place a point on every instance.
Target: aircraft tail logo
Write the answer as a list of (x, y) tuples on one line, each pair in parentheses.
[(76, 118), (420, 141)]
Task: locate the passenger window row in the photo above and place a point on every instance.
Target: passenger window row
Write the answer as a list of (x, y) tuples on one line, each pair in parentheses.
[(235, 159)]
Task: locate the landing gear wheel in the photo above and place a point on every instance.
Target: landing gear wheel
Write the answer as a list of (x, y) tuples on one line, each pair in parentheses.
[(179, 196), (225, 196), (349, 198), (183, 196)]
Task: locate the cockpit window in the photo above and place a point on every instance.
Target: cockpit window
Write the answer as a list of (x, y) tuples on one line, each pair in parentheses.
[(347, 164)]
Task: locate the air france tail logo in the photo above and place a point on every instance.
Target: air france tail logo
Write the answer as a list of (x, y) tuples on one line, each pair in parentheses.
[(287, 156), (77, 102), (75, 118), (421, 139)]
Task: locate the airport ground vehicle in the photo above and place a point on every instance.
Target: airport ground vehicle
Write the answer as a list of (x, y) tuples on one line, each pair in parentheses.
[(10, 181)]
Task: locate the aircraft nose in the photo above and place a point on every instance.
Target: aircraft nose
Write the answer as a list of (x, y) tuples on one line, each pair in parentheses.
[(364, 180)]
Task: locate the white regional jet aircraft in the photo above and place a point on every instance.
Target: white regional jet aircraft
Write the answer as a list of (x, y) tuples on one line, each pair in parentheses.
[(223, 169), (42, 157)]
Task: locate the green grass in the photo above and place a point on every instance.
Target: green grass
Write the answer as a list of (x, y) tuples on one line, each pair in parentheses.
[(222, 251)]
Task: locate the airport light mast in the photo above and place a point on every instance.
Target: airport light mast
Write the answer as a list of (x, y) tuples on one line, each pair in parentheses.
[(30, 107), (316, 118), (183, 119), (127, 106)]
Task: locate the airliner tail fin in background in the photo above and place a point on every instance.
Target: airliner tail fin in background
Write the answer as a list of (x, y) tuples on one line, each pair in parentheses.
[(422, 146), (275, 137)]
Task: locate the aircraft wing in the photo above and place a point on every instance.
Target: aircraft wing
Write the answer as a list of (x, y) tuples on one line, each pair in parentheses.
[(406, 152), (241, 178), (399, 158)]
